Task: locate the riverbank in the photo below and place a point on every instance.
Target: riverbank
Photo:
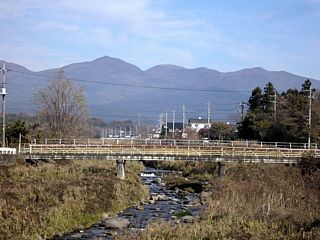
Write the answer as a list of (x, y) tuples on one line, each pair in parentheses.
[(163, 205), (40, 200), (254, 201)]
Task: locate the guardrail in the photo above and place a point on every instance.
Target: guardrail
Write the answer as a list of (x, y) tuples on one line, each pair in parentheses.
[(175, 142), (5, 150), (172, 151)]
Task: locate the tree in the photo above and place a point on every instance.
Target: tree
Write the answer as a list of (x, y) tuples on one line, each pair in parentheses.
[(256, 99), (15, 129), (221, 131), (63, 107), (306, 87), (291, 124), (268, 98)]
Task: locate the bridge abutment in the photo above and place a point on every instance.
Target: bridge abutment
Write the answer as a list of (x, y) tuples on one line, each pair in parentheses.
[(221, 169), (121, 169)]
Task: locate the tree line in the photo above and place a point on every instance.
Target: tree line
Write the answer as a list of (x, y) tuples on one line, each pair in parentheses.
[(274, 117), (284, 117)]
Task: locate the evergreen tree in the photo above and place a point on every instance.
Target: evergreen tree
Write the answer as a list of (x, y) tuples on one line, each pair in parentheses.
[(291, 124), (268, 98), (15, 129), (256, 99)]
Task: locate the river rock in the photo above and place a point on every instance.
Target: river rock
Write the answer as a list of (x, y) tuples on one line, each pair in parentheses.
[(76, 236), (117, 223), (159, 181), (194, 202), (204, 196), (187, 219), (105, 215), (161, 197), (181, 192), (140, 207), (158, 197)]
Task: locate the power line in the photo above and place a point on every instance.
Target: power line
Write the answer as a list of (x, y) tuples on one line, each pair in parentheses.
[(122, 109), (18, 107), (138, 86)]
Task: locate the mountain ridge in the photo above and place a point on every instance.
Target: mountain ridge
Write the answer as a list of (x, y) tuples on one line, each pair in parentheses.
[(229, 87)]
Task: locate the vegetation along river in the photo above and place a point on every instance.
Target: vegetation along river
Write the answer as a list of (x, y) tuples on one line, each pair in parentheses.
[(164, 204)]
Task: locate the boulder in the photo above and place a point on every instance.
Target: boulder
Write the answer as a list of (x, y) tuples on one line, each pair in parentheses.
[(159, 181), (117, 223), (187, 219), (160, 197)]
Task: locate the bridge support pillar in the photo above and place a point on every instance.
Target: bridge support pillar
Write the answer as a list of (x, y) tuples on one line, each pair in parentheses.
[(221, 169), (121, 169)]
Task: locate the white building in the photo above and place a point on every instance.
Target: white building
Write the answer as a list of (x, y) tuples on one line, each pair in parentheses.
[(197, 124)]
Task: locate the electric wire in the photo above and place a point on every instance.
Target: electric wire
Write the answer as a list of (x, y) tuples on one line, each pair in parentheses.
[(138, 86)]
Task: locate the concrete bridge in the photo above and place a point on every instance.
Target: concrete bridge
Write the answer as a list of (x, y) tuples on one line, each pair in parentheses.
[(122, 150)]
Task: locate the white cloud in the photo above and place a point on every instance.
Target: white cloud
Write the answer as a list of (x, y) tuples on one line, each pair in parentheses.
[(45, 33), (110, 24)]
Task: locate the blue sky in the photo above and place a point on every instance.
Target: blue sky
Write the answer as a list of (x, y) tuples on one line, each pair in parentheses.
[(223, 35)]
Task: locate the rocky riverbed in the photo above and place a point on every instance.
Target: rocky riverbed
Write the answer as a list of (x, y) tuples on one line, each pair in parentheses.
[(175, 205)]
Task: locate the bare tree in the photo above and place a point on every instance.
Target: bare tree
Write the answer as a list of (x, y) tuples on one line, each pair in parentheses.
[(191, 134), (63, 107)]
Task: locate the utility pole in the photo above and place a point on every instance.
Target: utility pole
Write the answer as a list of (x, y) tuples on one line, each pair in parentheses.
[(139, 120), (309, 120), (242, 104), (4, 71), (160, 122), (275, 105), (166, 133), (183, 120), (138, 129), (173, 120), (209, 114)]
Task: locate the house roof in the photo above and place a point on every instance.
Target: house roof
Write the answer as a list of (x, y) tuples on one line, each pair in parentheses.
[(176, 125), (196, 120)]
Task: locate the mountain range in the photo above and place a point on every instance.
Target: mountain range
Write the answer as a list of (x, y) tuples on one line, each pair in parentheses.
[(117, 90)]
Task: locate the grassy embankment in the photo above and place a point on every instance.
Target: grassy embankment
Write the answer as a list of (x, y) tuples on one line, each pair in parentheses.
[(51, 198), (253, 201)]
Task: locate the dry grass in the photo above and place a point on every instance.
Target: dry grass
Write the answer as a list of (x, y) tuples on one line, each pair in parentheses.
[(255, 202), (53, 198)]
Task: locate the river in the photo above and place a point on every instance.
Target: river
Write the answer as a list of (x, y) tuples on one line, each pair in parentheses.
[(175, 206)]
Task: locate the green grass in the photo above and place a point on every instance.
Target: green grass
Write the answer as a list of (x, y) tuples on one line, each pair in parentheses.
[(182, 213)]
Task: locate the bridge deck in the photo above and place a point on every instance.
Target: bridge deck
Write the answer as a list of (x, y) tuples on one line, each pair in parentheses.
[(130, 151)]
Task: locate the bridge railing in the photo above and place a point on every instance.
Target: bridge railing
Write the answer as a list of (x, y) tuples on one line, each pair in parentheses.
[(176, 142), (207, 151)]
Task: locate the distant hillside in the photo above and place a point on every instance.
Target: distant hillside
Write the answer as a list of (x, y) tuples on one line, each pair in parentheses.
[(111, 101)]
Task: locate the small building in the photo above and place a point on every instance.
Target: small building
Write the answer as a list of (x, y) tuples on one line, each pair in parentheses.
[(197, 124), (178, 127)]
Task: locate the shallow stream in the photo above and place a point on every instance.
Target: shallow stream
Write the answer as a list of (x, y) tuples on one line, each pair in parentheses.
[(164, 205)]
